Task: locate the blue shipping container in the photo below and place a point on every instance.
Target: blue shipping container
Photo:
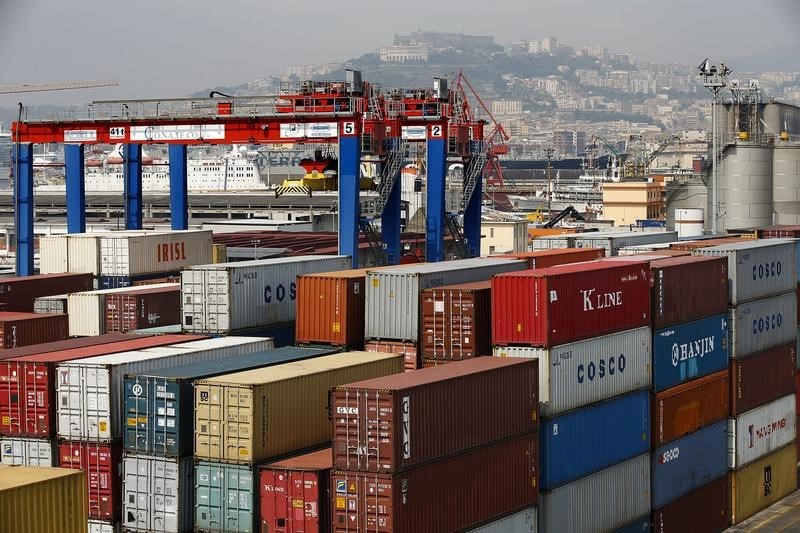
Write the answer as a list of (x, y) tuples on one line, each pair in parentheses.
[(580, 442), (680, 466), (690, 350), (282, 334), (640, 525), (159, 405), (225, 497), (118, 282)]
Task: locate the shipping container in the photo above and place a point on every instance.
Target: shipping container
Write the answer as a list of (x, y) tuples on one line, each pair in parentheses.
[(613, 241), (19, 294), (42, 500), (295, 494), (225, 297), (457, 321), (762, 483), (492, 482), (67, 344), (250, 416), (757, 269), (640, 525), (28, 389), (53, 305), (26, 329), (150, 253), (690, 246), (524, 521), (688, 463), (76, 252), (144, 308), (583, 372), (578, 443), (392, 302), (688, 288), (392, 423), (600, 502), (554, 257), (704, 510), (763, 377), (158, 403), (157, 493), (28, 452), (91, 392), (408, 349), (102, 464), (761, 431), (103, 526), (690, 406), (566, 303), (784, 233), (690, 350), (225, 497), (118, 282), (330, 308), (761, 324)]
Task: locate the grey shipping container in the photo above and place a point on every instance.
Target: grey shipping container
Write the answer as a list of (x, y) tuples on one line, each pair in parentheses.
[(393, 294), (524, 521), (757, 268), (762, 324), (102, 526), (158, 493), (51, 304), (604, 501), (549, 242), (27, 452), (225, 497), (612, 241)]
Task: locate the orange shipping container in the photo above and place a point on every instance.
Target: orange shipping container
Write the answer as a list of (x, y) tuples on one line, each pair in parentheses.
[(330, 308), (555, 257)]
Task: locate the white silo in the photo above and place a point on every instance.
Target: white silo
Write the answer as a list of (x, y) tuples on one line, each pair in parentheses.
[(745, 186), (786, 183)]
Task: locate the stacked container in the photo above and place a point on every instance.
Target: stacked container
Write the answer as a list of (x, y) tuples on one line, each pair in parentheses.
[(330, 308), (763, 412), (25, 329), (393, 471), (19, 294), (146, 307)]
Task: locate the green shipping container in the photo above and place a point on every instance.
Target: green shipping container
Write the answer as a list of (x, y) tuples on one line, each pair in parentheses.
[(224, 497)]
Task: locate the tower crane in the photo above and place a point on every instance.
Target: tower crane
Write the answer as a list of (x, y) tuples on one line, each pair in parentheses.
[(55, 86)]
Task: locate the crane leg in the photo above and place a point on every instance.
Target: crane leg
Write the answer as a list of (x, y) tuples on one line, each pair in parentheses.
[(23, 208), (178, 187), (76, 188), (349, 207), (472, 220), (133, 186), (435, 223)]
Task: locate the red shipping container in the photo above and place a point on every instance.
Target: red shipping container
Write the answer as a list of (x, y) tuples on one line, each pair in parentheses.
[(457, 321), (688, 288), (145, 308), (19, 293), (101, 462), (66, 344), (295, 495), (665, 252), (562, 304), (797, 397), (393, 423), (28, 389), (704, 510), (330, 308), (688, 407), (554, 257), (25, 329), (763, 377), (778, 232), (407, 348), (450, 495)]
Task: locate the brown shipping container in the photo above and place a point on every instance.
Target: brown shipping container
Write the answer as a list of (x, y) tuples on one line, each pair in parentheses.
[(157, 281), (24, 329), (704, 510), (689, 246), (556, 256), (667, 252), (688, 288), (393, 423), (451, 495), (457, 321), (330, 308), (762, 377), (145, 308), (688, 407), (778, 232), (407, 349), (19, 293), (47, 347), (429, 363)]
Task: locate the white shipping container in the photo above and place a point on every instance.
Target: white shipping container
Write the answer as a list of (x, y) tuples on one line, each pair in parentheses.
[(88, 316), (78, 253), (602, 502), (583, 372), (762, 324), (549, 242), (27, 452), (56, 304), (53, 254), (613, 241), (644, 249), (392, 294), (757, 268), (157, 493), (761, 431), (226, 297), (100, 526), (90, 391), (152, 253), (524, 521)]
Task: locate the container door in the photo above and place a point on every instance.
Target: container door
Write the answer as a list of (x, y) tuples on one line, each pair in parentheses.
[(36, 406), (71, 422), (238, 427), (27, 452), (10, 405), (97, 404), (164, 427), (137, 416), (165, 478), (208, 496), (136, 492), (206, 301), (208, 420), (239, 501)]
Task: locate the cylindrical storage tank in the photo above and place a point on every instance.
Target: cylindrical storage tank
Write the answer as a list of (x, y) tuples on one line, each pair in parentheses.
[(689, 222), (744, 190), (691, 194), (786, 183)]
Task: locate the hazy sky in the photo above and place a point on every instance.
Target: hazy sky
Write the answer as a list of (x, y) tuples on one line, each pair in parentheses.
[(170, 48)]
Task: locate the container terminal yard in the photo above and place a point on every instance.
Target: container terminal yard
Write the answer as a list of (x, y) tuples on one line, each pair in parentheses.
[(352, 377)]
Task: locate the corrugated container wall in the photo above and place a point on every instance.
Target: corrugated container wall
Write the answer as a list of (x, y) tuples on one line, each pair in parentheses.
[(601, 502), (135, 255), (762, 377), (457, 321), (226, 297), (250, 416), (101, 462), (688, 288), (225, 497), (26, 329), (157, 493), (56, 304), (19, 294), (493, 482), (640, 525), (27, 452), (102, 526), (556, 256), (146, 308), (525, 521), (762, 324), (70, 253), (762, 483), (48, 347), (392, 304), (704, 510), (43, 500), (757, 268), (761, 431), (562, 304), (612, 241), (392, 423), (408, 349), (330, 308), (588, 371), (578, 443)]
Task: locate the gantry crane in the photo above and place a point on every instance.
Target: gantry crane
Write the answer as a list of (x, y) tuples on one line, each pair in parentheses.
[(55, 86)]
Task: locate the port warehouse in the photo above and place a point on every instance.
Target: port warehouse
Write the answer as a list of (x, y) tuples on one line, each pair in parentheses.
[(215, 424)]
